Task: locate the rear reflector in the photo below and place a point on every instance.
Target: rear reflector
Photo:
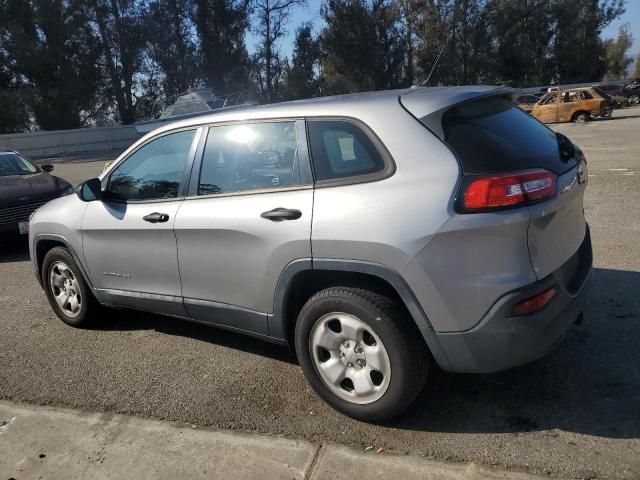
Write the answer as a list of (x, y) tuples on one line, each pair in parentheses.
[(534, 304), (509, 190)]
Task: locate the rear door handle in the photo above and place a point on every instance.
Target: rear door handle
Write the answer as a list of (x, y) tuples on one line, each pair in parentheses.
[(279, 214), (156, 217)]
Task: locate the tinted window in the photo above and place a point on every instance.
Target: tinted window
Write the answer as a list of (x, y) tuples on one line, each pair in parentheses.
[(341, 149), (245, 157), (153, 171), (493, 135)]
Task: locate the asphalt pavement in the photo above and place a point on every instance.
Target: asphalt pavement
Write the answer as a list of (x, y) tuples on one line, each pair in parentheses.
[(574, 413)]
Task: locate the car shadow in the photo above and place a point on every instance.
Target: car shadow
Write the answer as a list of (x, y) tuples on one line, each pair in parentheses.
[(14, 248), (590, 384), (124, 319)]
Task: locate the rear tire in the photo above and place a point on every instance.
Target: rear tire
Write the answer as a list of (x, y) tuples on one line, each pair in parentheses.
[(68, 294), (581, 117), (360, 353), (634, 99)]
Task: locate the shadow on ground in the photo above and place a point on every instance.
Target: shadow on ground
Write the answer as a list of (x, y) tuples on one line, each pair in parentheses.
[(590, 384), (14, 248)]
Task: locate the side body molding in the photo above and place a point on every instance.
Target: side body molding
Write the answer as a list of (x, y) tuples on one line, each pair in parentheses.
[(277, 321)]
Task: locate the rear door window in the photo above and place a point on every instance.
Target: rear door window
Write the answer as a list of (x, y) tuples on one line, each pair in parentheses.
[(251, 156), (341, 149), (493, 135)]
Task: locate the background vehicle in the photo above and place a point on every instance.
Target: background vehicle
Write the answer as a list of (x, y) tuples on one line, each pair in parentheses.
[(572, 105), (24, 187), (613, 97), (632, 91), (527, 102), (376, 233)]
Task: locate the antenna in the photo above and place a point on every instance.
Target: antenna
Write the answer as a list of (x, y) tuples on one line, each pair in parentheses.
[(426, 82)]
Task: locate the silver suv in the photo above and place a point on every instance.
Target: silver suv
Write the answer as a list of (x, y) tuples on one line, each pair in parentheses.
[(378, 234)]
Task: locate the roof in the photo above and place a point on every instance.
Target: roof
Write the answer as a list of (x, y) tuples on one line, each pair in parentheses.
[(420, 100)]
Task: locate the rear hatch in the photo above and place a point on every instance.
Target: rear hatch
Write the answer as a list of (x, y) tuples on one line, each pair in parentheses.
[(492, 138)]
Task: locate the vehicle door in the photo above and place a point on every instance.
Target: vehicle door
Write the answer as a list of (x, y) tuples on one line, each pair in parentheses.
[(547, 109), (128, 238), (592, 104), (570, 103), (247, 216)]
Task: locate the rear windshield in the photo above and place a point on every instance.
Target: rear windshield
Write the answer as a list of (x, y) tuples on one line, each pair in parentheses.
[(493, 135)]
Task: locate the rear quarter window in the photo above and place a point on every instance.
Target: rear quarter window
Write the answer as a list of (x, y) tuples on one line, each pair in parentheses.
[(493, 136), (341, 149)]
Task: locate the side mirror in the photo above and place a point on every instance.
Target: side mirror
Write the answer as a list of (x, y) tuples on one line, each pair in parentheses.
[(47, 167), (90, 190)]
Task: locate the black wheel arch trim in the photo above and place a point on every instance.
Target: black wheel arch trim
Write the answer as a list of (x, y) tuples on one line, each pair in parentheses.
[(59, 239), (278, 322)]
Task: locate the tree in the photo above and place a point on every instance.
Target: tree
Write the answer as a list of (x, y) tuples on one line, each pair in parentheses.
[(120, 25), (523, 33), (171, 45), (302, 78), (637, 70), (579, 52), (616, 54), (362, 46), (50, 50), (221, 26), (453, 37), (272, 17)]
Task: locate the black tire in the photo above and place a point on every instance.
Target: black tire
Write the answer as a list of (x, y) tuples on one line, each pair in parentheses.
[(89, 307), (407, 352), (581, 117), (634, 99)]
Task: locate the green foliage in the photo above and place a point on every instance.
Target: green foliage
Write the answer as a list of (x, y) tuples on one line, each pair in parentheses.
[(302, 79), (172, 45), (616, 54), (50, 46), (362, 46), (69, 63), (221, 26)]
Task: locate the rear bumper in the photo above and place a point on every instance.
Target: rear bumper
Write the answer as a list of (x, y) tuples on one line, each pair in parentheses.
[(501, 341)]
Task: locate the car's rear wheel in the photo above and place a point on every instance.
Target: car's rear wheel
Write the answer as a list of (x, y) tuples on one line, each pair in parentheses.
[(360, 353), (634, 99), (581, 117), (66, 290)]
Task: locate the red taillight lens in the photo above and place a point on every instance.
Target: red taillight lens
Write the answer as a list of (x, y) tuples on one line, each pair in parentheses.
[(509, 190), (534, 304)]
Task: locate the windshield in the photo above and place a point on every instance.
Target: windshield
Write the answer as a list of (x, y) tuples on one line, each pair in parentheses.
[(13, 164)]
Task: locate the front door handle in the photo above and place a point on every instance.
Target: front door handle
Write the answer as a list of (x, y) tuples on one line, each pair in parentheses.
[(279, 214), (156, 217)]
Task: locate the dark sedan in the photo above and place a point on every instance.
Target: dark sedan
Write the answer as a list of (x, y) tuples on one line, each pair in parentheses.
[(24, 187)]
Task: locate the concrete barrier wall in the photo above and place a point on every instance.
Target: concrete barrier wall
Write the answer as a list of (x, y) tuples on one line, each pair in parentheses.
[(64, 143)]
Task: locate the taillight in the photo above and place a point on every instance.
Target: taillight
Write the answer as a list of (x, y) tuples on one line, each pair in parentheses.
[(489, 193), (581, 156), (534, 304)]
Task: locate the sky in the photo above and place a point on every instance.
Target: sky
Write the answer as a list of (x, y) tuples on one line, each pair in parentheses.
[(311, 13)]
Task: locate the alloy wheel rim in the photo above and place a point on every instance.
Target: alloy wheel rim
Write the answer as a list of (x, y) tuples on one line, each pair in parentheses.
[(65, 289), (350, 358)]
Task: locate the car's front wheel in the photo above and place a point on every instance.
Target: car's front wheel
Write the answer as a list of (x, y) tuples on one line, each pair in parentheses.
[(66, 290), (360, 353)]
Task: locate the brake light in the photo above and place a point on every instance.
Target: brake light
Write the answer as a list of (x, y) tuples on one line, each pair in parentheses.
[(509, 190), (534, 304)]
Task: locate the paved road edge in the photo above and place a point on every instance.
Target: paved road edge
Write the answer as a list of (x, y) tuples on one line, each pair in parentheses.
[(73, 444)]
